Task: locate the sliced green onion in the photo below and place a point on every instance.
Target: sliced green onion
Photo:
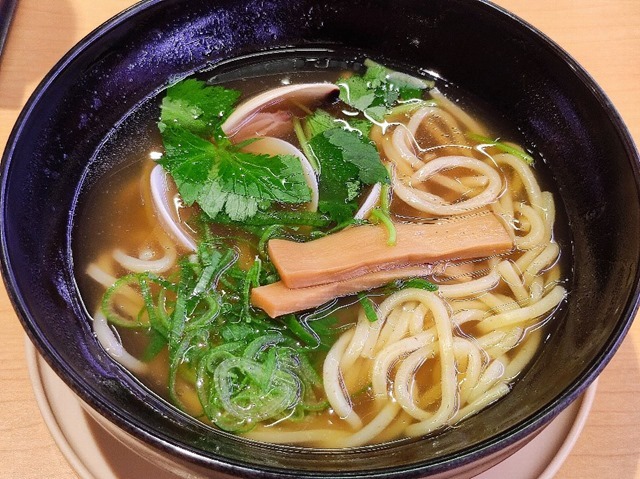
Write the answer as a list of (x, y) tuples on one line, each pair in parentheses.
[(245, 399), (146, 303), (267, 234), (420, 283), (156, 343), (528, 159), (209, 310), (235, 357), (380, 216), (258, 345), (307, 372), (304, 144), (282, 218), (344, 224), (367, 306), (385, 190), (176, 356), (251, 280), (409, 106), (302, 330)]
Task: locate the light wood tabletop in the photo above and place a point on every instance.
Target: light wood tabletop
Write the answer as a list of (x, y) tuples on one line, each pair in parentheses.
[(603, 35)]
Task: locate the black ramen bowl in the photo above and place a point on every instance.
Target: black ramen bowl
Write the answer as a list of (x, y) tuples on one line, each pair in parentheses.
[(503, 62)]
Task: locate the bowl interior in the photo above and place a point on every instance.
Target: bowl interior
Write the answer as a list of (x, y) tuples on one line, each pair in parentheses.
[(506, 64)]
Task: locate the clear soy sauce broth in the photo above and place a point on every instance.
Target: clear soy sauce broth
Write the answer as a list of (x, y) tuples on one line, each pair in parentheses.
[(115, 214)]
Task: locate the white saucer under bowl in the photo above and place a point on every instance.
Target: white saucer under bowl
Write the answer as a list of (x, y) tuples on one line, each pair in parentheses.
[(95, 454)]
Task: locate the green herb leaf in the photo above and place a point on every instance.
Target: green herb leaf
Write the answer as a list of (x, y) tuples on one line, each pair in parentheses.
[(220, 178), (378, 89), (347, 162), (363, 126), (265, 178), (318, 122), (359, 151), (208, 169), (213, 200), (189, 159), (197, 107), (357, 92), (336, 183)]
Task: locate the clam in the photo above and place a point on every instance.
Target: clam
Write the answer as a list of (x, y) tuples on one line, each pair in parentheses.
[(264, 123), (303, 95), (167, 204), (369, 203)]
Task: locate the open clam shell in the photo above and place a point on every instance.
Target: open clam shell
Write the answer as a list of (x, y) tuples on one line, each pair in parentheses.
[(303, 95), (166, 203)]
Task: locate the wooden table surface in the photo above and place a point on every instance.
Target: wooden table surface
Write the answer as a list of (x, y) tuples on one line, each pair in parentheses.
[(603, 35)]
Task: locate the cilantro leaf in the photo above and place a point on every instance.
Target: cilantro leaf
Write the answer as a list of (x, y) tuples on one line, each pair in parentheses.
[(266, 178), (197, 107), (360, 152), (378, 89), (318, 122), (347, 161), (188, 158), (208, 169), (356, 92), (362, 125), (220, 178)]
